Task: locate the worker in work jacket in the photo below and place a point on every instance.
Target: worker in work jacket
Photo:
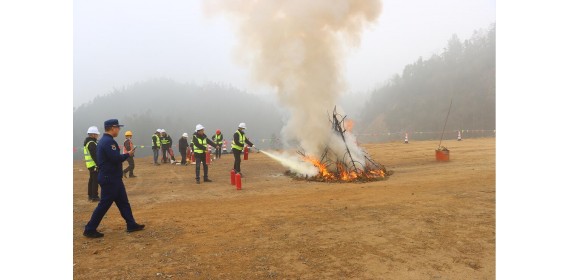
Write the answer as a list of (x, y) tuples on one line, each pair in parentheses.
[(183, 147), (156, 146), (200, 142), (127, 146), (237, 146), (218, 138), (90, 153), (166, 144)]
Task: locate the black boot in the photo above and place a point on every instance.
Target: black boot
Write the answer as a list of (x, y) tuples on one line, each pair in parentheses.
[(92, 234)]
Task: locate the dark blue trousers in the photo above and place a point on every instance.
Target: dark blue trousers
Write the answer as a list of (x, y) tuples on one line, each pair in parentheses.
[(155, 155), (112, 191), (201, 157)]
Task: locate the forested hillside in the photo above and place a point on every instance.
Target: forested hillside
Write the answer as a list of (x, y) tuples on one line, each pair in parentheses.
[(418, 99)]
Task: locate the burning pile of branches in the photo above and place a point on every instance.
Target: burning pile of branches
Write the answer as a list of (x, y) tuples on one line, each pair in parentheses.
[(344, 167)]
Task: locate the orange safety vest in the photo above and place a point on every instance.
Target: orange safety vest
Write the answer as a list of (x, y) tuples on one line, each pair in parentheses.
[(125, 145)]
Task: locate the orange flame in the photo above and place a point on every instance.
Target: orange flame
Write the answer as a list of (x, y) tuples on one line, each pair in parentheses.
[(348, 124), (342, 174)]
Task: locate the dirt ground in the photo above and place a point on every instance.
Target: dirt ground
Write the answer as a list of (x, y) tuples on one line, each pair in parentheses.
[(429, 220)]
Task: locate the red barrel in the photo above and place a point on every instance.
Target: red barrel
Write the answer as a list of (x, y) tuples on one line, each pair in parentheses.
[(238, 181), (245, 153), (442, 155), (232, 177)]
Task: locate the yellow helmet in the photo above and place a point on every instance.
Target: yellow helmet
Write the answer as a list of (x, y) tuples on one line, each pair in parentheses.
[(128, 133)]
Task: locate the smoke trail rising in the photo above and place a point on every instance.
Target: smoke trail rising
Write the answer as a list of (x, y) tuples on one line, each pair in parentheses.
[(297, 47)]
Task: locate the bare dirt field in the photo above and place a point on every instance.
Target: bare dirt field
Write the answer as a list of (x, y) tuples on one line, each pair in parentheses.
[(429, 220)]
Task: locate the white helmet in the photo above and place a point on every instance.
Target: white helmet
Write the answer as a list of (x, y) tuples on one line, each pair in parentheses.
[(159, 130), (185, 135), (199, 127), (242, 125), (93, 130)]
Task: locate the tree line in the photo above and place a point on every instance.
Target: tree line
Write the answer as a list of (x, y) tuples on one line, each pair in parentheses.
[(418, 99)]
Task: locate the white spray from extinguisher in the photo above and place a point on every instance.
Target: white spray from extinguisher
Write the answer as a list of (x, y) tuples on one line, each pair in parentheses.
[(294, 163)]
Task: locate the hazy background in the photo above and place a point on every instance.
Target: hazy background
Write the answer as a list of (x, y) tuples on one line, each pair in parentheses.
[(117, 43), (168, 65)]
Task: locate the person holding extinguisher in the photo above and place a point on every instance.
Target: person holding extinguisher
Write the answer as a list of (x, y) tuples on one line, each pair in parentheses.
[(200, 142), (238, 145), (218, 138)]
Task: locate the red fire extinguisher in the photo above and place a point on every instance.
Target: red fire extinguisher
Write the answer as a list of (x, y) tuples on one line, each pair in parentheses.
[(238, 181), (193, 158), (245, 153), (208, 157), (232, 177)]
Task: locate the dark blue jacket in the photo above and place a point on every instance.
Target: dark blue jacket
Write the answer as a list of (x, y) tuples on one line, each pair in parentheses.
[(110, 160)]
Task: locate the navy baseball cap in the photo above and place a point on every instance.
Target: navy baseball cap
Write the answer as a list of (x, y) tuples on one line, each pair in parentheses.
[(113, 122)]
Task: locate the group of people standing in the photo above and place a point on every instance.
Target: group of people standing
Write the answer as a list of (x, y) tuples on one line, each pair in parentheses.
[(199, 147), (162, 141), (104, 162)]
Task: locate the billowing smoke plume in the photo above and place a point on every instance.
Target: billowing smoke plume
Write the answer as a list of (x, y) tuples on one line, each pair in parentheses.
[(297, 47)]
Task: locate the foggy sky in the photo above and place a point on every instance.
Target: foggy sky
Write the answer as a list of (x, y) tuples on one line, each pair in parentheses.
[(117, 43)]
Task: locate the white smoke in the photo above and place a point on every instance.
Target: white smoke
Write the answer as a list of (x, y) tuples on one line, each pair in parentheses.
[(297, 47), (294, 163)]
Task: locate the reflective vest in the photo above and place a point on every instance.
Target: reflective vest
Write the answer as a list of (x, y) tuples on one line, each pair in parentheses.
[(89, 162), (202, 142), (241, 141), (125, 145), (164, 141), (155, 140), (218, 139)]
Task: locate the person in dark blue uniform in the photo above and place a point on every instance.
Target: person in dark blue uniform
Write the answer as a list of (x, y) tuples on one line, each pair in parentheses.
[(110, 177)]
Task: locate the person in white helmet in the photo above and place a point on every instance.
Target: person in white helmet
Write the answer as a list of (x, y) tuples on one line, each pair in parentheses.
[(238, 144), (200, 142), (165, 142), (156, 146), (183, 147), (166, 145), (90, 153)]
